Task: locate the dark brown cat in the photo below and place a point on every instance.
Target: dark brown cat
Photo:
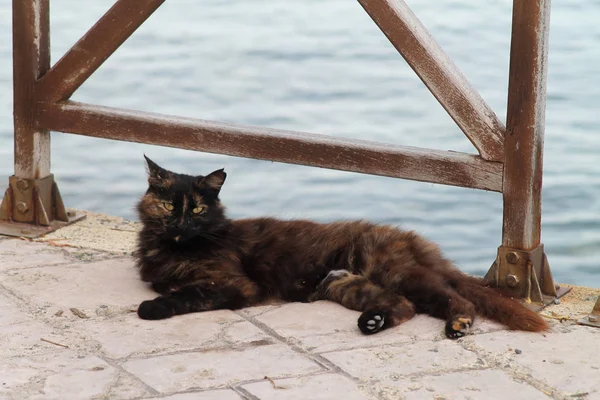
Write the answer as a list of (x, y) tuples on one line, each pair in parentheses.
[(199, 260)]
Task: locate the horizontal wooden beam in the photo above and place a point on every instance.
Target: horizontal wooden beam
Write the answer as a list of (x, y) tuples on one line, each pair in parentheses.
[(443, 78), (449, 168), (86, 56)]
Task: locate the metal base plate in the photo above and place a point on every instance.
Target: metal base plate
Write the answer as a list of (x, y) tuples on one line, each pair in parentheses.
[(594, 318), (586, 321), (549, 300), (30, 231)]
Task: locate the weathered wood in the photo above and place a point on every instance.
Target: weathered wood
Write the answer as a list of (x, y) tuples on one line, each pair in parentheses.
[(31, 58), (86, 56), (443, 78), (524, 138), (436, 166)]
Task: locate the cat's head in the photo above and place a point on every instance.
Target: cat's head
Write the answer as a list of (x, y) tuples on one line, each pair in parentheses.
[(180, 207)]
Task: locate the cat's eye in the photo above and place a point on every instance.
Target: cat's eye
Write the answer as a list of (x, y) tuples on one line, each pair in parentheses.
[(168, 206), (199, 210)]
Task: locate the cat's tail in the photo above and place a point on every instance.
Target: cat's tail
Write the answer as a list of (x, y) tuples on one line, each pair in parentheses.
[(497, 306)]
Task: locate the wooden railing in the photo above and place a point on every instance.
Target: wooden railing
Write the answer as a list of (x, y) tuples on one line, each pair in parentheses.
[(509, 160)]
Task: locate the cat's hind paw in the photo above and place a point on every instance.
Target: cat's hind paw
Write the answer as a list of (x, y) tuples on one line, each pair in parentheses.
[(371, 322), (458, 326), (152, 310)]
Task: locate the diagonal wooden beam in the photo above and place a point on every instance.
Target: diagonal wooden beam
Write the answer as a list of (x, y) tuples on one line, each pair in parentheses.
[(445, 167), (443, 78), (86, 56)]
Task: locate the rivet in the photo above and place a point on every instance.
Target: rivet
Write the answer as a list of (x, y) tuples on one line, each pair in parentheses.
[(512, 280), (22, 185), (22, 207), (512, 257)]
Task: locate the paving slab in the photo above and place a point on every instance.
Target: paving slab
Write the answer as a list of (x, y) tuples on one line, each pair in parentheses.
[(315, 387), (65, 375), (389, 363), (18, 253), (128, 335), (464, 385), (567, 359), (220, 367), (93, 288), (206, 395)]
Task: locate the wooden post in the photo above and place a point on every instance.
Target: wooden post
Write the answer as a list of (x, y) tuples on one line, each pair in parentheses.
[(31, 59), (32, 196), (521, 264)]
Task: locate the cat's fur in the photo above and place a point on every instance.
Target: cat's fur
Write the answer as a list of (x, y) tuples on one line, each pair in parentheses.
[(204, 261)]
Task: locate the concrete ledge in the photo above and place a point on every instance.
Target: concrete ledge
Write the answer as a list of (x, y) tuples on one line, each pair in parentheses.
[(68, 330)]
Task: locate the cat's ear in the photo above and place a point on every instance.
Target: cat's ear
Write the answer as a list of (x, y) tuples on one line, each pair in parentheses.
[(213, 181), (157, 176)]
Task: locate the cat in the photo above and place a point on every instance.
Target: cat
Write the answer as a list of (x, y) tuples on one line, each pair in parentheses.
[(197, 259)]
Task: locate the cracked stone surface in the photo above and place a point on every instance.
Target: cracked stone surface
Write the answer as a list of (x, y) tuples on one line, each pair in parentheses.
[(220, 367), (68, 330)]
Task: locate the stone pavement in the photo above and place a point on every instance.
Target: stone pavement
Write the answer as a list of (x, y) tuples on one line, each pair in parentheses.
[(68, 330)]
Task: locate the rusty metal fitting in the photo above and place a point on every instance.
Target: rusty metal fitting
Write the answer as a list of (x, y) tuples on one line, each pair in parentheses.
[(512, 280), (512, 257), (22, 185), (22, 207)]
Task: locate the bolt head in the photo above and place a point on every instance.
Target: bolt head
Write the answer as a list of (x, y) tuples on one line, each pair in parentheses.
[(22, 185), (22, 207), (512, 257), (512, 280)]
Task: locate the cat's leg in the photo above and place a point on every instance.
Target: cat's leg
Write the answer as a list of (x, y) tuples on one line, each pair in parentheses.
[(432, 294), (201, 296), (161, 287), (381, 309)]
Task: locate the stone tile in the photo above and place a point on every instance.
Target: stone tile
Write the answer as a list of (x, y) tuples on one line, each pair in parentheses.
[(16, 253), (259, 310), (128, 334), (95, 288), (65, 376), (207, 395), (465, 385), (315, 387), (217, 368), (99, 232), (388, 363), (323, 326), (25, 339), (9, 312), (568, 360)]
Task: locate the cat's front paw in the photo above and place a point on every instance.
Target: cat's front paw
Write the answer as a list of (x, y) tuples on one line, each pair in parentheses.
[(458, 326), (334, 276), (321, 290), (371, 322), (153, 309)]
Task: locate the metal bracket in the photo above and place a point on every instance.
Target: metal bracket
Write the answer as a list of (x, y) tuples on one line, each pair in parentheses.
[(594, 318), (33, 207), (526, 274)]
